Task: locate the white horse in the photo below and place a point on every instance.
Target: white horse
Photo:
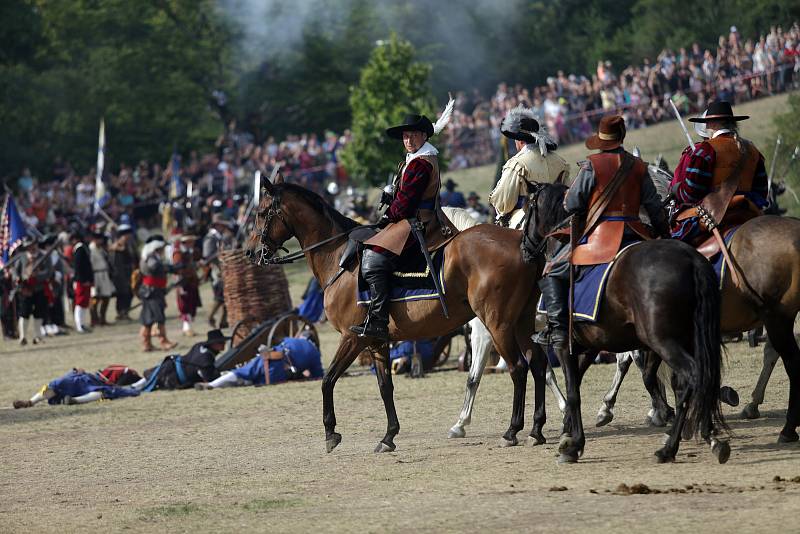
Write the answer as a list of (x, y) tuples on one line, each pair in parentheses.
[(661, 412), (482, 344)]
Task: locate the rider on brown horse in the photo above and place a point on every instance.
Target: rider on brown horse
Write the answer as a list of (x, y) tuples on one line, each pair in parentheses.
[(725, 173), (610, 188), (415, 196)]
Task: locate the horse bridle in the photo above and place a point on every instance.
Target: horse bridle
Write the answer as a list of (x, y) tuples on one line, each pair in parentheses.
[(535, 249), (268, 246)]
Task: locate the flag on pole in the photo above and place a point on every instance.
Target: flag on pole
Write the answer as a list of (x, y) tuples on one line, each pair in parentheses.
[(257, 189), (12, 230), (176, 184), (100, 194)]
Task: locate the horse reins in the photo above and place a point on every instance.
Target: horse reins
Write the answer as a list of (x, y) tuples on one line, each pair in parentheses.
[(275, 212)]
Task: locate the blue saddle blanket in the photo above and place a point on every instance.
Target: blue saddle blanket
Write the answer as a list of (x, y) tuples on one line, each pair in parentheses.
[(590, 284), (718, 260), (412, 280)]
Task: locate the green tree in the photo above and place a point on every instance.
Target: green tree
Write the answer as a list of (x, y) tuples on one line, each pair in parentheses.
[(149, 67), (392, 85)]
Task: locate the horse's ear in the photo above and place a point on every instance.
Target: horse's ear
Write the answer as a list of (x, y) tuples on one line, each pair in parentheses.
[(532, 187), (266, 186), (279, 179)]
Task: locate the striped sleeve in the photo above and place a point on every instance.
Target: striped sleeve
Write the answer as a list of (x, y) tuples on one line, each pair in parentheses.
[(692, 180)]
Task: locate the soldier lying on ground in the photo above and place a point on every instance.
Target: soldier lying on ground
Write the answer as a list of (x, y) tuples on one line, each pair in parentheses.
[(292, 359), (80, 387)]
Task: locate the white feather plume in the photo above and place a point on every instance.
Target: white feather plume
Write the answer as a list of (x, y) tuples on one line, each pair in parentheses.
[(444, 118), (512, 122)]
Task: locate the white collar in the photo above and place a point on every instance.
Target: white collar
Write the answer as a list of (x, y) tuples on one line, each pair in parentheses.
[(720, 132), (425, 150)]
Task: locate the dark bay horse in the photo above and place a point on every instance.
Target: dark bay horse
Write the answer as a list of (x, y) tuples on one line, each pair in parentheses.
[(767, 249), (502, 291), (660, 296)]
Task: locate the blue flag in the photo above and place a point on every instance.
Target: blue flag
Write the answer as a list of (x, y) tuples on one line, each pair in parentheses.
[(12, 231), (176, 189)]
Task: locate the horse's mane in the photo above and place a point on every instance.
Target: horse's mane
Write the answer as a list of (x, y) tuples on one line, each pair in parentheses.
[(551, 205), (316, 201)]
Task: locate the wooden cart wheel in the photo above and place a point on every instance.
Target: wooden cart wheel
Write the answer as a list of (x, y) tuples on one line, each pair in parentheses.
[(246, 325), (290, 325)]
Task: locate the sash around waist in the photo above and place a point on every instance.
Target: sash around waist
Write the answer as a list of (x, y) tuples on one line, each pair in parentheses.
[(155, 281)]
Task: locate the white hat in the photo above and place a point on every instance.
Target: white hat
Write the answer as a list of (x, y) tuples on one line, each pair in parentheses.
[(734, 30)]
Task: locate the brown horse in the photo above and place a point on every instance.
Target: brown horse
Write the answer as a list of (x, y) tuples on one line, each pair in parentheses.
[(484, 275), (661, 296), (767, 249)]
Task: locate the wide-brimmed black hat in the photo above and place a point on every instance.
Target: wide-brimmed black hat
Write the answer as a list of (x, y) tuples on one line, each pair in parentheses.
[(412, 123), (719, 110), (520, 124), (215, 336)]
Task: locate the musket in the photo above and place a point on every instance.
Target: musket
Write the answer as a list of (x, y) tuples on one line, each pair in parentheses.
[(680, 121), (416, 229), (575, 227)]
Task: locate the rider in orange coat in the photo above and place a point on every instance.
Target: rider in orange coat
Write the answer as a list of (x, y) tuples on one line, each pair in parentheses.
[(617, 223)]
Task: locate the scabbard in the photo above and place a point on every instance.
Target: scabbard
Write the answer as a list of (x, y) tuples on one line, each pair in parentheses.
[(417, 232)]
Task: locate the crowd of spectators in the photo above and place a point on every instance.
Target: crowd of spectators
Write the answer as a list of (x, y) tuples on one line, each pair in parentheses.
[(569, 106)]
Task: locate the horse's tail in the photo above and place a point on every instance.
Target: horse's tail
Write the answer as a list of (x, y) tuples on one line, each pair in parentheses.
[(704, 405)]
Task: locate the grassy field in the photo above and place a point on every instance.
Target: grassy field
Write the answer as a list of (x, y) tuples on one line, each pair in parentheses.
[(253, 459), (665, 138)]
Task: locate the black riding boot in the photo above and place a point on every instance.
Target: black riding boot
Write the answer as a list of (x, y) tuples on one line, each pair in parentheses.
[(555, 293), (376, 270)]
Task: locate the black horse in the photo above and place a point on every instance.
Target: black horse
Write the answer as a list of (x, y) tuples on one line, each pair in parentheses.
[(661, 296)]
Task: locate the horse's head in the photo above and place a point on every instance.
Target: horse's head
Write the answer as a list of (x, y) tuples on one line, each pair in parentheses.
[(545, 213), (271, 229)]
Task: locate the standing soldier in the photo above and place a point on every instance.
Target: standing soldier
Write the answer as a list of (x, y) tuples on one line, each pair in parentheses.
[(153, 291), (83, 280), (416, 196), (122, 257), (103, 286), (218, 239), (535, 161), (187, 285), (32, 275), (725, 173), (626, 176)]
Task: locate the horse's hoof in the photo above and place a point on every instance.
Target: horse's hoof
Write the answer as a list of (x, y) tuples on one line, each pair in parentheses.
[(384, 447), (783, 437), (333, 441), (603, 418), (567, 444), (22, 404), (722, 450), (568, 458), (457, 432), (729, 396), (536, 439), (509, 442), (750, 411), (664, 457)]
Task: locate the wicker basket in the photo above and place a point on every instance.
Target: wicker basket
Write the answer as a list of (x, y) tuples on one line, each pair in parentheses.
[(253, 293)]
